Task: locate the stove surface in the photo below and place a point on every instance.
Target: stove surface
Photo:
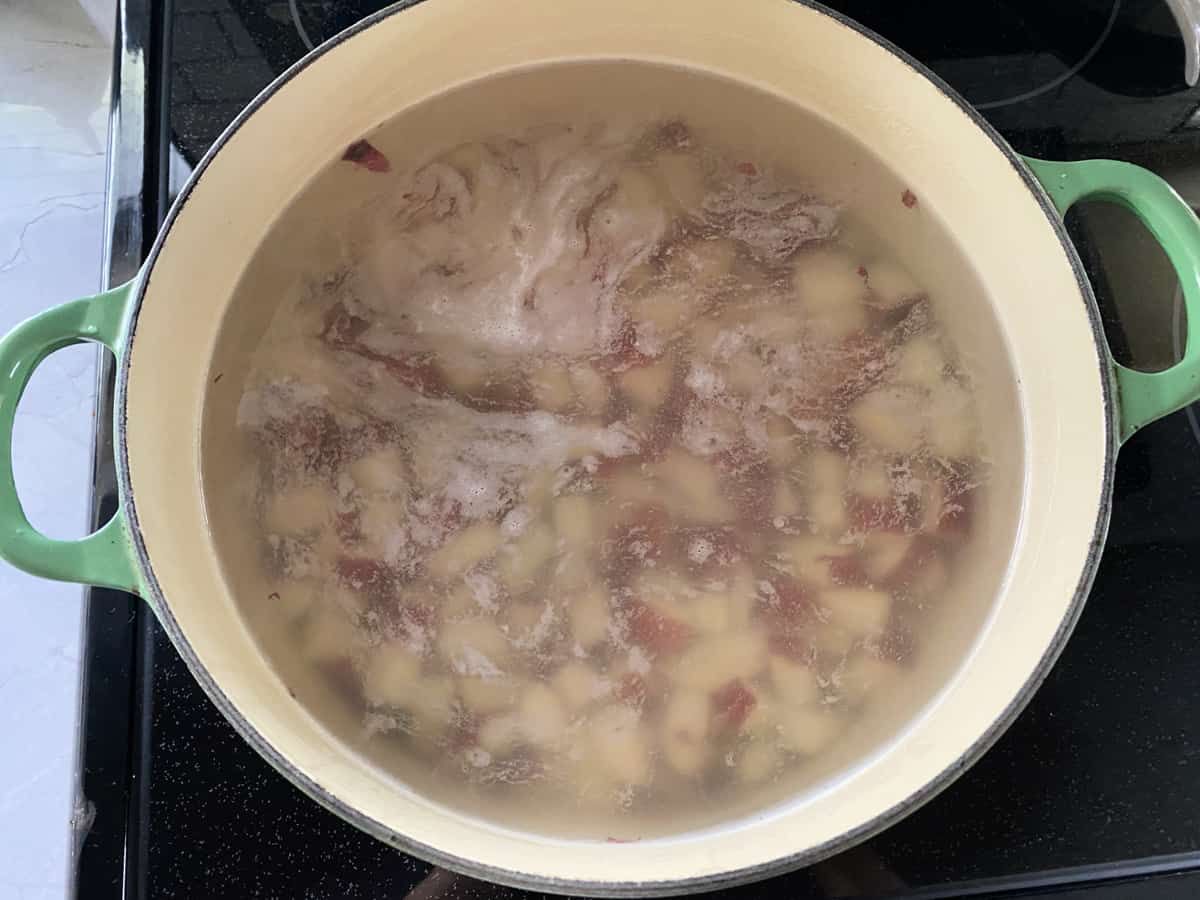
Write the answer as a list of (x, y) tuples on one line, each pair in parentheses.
[(1095, 788)]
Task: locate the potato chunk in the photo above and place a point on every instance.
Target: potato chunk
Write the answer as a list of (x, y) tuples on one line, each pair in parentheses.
[(861, 611)]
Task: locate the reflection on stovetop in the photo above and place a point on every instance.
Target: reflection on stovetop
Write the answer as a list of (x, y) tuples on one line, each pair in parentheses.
[(1100, 768)]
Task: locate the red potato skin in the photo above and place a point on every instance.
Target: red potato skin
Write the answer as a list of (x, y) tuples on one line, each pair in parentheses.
[(898, 513), (957, 518), (363, 573), (732, 703), (367, 156), (647, 527), (846, 570), (632, 689), (788, 617), (657, 633)]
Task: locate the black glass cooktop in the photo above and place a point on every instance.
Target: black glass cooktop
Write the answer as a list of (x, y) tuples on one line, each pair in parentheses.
[(1094, 791)]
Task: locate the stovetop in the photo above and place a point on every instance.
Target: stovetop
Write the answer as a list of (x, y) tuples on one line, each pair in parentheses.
[(1094, 790)]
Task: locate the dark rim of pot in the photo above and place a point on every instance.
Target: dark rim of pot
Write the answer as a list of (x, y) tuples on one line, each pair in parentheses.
[(624, 888)]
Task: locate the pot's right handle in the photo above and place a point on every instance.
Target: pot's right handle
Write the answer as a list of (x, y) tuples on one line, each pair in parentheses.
[(1142, 397), (104, 558)]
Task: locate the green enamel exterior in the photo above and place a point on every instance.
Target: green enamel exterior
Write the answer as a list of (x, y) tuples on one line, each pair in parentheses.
[(106, 557), (1142, 397)]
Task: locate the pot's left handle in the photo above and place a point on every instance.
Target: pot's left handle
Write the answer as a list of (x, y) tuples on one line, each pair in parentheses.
[(1142, 397), (105, 557)]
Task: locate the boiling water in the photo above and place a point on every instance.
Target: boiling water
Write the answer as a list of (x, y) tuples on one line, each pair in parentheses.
[(607, 468)]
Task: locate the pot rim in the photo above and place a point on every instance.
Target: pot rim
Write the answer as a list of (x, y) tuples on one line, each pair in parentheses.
[(512, 878)]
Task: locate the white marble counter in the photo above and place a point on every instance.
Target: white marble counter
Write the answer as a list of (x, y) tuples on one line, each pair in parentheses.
[(55, 59)]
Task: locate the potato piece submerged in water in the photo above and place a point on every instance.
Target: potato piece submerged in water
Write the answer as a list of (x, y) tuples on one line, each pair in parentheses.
[(828, 284), (300, 510), (685, 731), (471, 545), (621, 745), (809, 730), (861, 611), (714, 661), (551, 385), (391, 675), (892, 418), (647, 387)]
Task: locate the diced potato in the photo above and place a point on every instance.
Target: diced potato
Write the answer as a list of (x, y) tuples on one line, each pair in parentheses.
[(499, 734), (639, 277), (709, 612), (551, 384), (459, 602), (884, 553), (834, 641), (861, 611), (781, 441), (778, 324), (866, 674), (474, 646), (330, 636), (784, 501), (543, 717), (745, 373), (591, 389), (621, 748), (572, 572), (826, 498), (695, 489), (704, 263), (951, 424), (391, 675), (489, 695), (891, 418), (872, 481), (647, 387), (668, 309), (808, 558), (740, 595), (539, 486), (794, 683), (578, 685), (931, 578), (685, 731), (832, 292), (381, 472), (590, 617), (382, 526), (891, 284), (712, 661), (472, 545), (921, 363), (808, 729), (431, 705), (628, 487), (520, 562), (300, 510), (758, 762), (682, 178), (574, 521)]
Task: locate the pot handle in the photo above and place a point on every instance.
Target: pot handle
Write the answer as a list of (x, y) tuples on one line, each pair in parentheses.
[(1142, 397), (105, 557)]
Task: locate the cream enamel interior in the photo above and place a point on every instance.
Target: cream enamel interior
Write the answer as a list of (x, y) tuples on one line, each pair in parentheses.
[(931, 146)]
